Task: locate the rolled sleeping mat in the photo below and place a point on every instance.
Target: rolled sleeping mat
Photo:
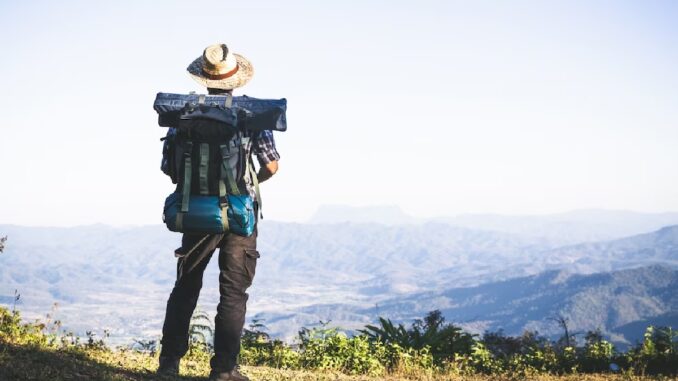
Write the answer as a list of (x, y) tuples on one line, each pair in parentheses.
[(249, 113)]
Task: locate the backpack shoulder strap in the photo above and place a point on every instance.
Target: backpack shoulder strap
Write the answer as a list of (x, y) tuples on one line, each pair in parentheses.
[(252, 173), (203, 168), (186, 191), (226, 170)]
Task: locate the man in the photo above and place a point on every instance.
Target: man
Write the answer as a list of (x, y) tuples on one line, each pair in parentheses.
[(220, 71)]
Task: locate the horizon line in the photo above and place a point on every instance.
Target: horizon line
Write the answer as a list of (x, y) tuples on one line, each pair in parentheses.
[(416, 220)]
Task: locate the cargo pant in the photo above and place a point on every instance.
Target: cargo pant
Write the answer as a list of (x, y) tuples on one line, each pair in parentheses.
[(237, 263)]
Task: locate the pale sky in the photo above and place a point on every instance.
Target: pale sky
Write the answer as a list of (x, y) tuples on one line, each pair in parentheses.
[(439, 107)]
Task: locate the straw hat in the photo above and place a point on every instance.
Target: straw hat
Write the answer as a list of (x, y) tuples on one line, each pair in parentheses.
[(218, 68)]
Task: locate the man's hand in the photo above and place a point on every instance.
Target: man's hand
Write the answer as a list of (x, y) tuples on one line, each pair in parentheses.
[(267, 170)]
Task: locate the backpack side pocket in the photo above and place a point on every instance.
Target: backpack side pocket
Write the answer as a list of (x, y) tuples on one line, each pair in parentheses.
[(168, 163)]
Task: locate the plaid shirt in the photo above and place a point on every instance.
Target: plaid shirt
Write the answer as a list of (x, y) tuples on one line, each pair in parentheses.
[(263, 145)]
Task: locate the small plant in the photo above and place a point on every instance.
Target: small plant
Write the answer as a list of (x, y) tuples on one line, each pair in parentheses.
[(322, 332), (256, 333), (354, 355), (388, 333), (201, 330), (13, 330), (443, 340), (657, 353), (568, 339), (16, 299), (598, 353), (94, 343), (149, 346), (259, 349)]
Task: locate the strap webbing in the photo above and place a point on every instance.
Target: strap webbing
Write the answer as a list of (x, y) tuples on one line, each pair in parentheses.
[(223, 203), (179, 222), (250, 170), (255, 181), (229, 100), (222, 188), (224, 214), (204, 167), (186, 193), (226, 169)]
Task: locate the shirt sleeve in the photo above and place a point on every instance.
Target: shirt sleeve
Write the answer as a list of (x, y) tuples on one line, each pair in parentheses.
[(263, 145)]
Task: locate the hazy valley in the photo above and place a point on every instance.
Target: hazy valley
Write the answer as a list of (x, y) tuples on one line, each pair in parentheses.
[(351, 271)]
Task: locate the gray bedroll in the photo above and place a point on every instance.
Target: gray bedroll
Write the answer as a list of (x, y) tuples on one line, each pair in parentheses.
[(250, 113)]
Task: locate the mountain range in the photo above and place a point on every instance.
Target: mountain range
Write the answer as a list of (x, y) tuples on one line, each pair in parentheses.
[(347, 272), (609, 301), (583, 225)]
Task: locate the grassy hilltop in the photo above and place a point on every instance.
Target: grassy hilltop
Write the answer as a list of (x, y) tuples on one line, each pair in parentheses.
[(429, 350)]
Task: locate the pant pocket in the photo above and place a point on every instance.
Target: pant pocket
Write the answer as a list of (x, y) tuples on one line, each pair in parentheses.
[(251, 256)]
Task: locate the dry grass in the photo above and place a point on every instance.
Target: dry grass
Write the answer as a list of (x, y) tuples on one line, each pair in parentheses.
[(263, 373), (25, 362)]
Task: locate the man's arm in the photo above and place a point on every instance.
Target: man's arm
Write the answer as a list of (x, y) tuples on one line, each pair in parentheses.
[(264, 148), (266, 171)]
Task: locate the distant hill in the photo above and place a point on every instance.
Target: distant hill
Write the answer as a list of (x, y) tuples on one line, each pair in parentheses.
[(577, 226), (620, 303), (585, 225), (634, 329), (659, 247), (384, 215)]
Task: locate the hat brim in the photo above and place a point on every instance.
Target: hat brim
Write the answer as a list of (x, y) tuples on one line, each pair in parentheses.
[(239, 79)]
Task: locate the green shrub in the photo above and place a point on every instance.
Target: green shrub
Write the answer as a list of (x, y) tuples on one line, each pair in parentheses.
[(443, 341), (338, 352), (408, 360), (657, 354), (328, 348), (274, 353), (598, 353), (12, 330)]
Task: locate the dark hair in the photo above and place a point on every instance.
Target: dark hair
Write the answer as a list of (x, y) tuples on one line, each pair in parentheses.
[(213, 91)]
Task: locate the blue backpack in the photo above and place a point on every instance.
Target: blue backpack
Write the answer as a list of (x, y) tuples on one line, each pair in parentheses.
[(207, 153)]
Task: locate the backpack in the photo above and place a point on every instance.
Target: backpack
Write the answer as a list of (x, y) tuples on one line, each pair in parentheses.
[(207, 153)]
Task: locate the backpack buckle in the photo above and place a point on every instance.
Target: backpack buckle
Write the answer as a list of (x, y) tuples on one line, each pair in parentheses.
[(223, 202)]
